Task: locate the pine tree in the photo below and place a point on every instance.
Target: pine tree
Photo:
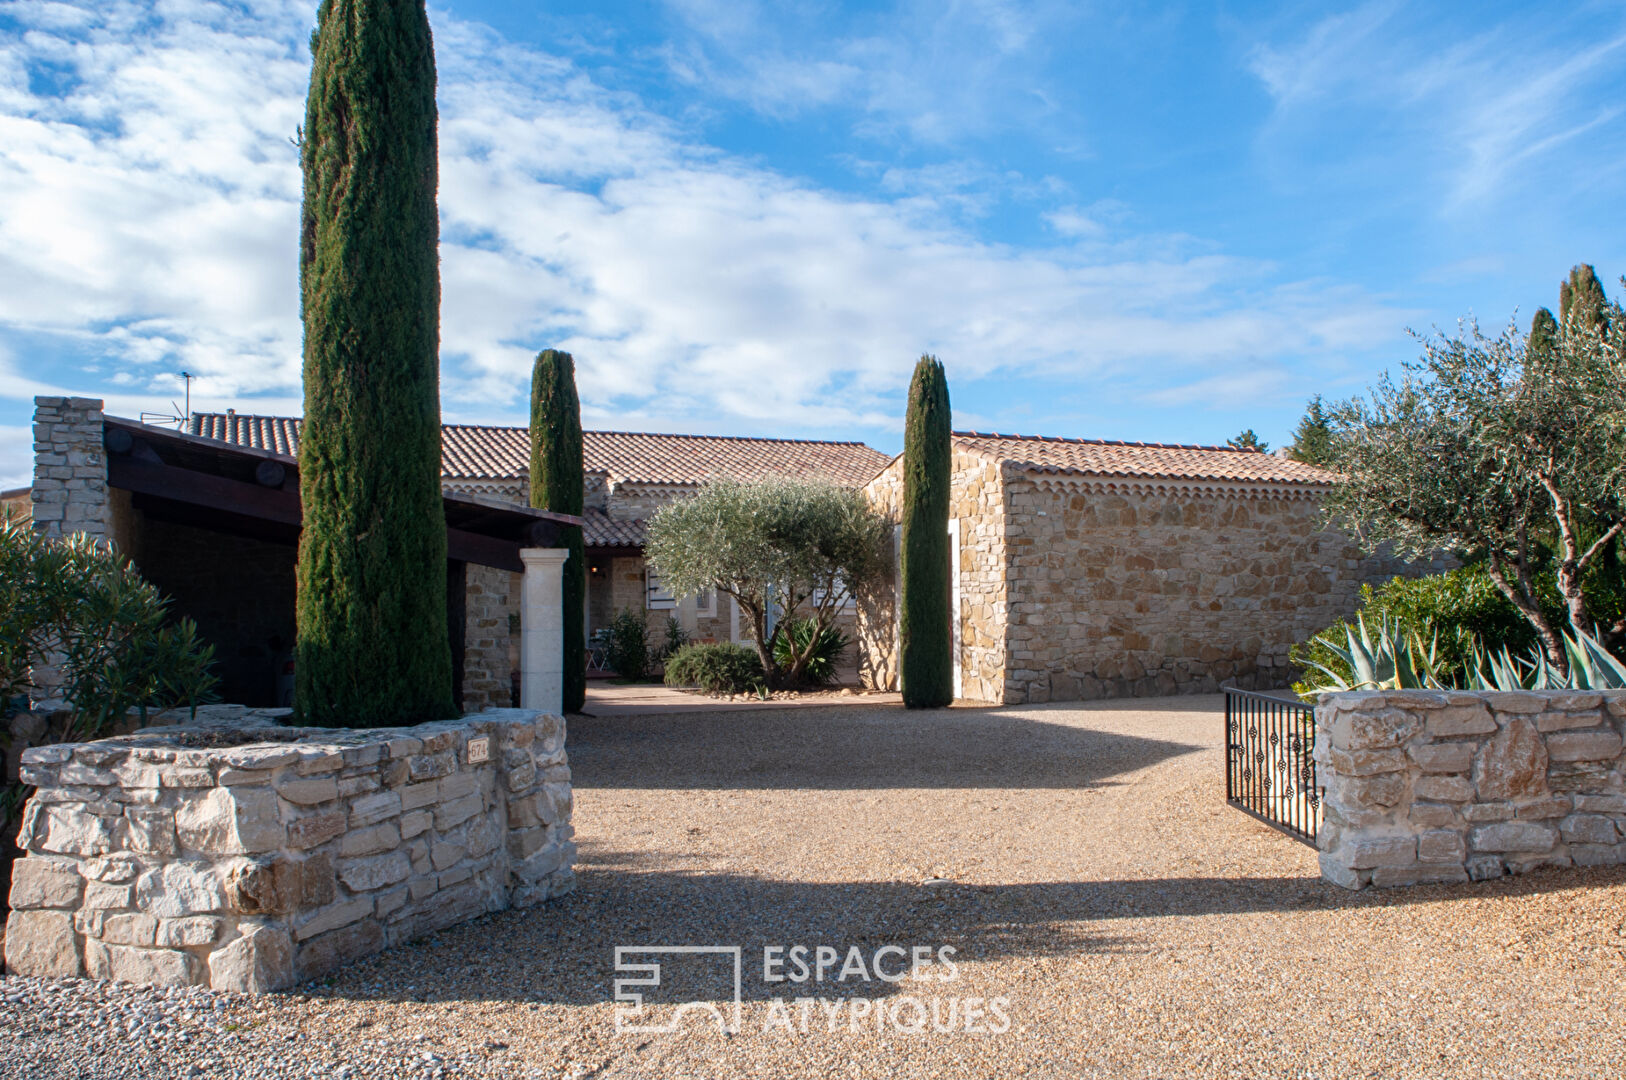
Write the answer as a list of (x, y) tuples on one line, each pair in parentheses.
[(558, 476), (371, 610), (1247, 440), (1312, 439), (925, 635)]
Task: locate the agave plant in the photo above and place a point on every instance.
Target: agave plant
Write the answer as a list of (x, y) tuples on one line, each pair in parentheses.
[(1396, 658)]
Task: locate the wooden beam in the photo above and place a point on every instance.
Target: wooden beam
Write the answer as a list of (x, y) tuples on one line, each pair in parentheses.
[(204, 489), (271, 504), (484, 550)]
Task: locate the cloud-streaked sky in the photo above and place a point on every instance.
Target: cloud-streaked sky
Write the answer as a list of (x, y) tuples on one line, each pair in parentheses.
[(1163, 222)]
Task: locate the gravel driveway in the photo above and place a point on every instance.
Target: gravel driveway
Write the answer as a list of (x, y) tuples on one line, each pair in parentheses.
[(1080, 860)]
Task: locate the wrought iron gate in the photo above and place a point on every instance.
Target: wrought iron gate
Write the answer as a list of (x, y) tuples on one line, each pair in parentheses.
[(1270, 762)]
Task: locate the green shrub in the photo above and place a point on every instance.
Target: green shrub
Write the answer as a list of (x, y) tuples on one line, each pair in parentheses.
[(1455, 615), (117, 648), (822, 659), (676, 638), (715, 668), (628, 651)]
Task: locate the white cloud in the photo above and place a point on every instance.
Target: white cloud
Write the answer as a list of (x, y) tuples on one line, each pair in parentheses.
[(1470, 113), (16, 457), (148, 218)]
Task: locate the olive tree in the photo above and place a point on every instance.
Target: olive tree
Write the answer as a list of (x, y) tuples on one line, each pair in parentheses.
[(782, 549), (1498, 451)]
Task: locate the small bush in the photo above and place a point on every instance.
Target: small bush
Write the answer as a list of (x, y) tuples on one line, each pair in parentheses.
[(676, 638), (628, 652), (1457, 614), (716, 669), (821, 665)]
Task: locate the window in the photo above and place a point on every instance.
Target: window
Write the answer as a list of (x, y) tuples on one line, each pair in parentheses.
[(656, 598), (705, 604)]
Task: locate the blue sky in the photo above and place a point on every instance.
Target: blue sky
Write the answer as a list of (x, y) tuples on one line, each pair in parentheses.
[(1162, 222)]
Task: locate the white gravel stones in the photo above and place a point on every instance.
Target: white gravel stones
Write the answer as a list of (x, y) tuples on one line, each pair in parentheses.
[(1085, 865)]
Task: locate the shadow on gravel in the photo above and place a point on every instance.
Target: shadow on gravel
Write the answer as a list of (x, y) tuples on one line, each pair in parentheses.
[(854, 748), (568, 946)]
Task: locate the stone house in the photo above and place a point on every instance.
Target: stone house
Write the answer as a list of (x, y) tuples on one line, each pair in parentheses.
[(1086, 569), (630, 475)]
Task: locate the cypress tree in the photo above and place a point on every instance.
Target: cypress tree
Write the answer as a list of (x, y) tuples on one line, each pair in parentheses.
[(1543, 331), (1581, 297), (557, 481), (926, 662), (371, 607)]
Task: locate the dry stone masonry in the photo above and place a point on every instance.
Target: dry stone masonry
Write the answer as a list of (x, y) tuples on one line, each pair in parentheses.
[(231, 852), (70, 468), (1426, 787)]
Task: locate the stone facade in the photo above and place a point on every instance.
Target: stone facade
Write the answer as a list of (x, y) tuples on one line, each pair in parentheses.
[(237, 854), (1422, 786), (1076, 587), (977, 520)]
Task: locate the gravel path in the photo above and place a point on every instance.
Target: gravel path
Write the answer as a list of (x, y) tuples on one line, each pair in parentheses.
[(1080, 860)]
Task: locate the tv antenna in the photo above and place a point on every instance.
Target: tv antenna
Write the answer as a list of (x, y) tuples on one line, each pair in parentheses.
[(177, 418)]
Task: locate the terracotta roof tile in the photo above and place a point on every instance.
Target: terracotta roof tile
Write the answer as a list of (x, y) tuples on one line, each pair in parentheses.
[(1102, 457), (473, 452), (601, 530)]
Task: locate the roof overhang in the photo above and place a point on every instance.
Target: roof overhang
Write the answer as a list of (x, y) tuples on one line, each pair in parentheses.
[(213, 484)]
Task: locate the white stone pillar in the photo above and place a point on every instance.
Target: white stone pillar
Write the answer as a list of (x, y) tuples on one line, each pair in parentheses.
[(542, 630)]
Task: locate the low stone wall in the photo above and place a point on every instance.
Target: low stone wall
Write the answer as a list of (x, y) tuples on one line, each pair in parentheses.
[(242, 855), (1421, 786)]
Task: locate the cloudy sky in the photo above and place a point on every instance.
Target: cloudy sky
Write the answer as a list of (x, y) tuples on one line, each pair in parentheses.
[(1145, 221)]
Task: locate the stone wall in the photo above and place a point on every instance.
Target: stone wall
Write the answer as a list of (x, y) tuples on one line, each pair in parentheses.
[(1122, 589), (237, 854), (1422, 786), (491, 601)]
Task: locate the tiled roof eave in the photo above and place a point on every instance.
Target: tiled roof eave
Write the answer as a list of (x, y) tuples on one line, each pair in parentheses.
[(1104, 482)]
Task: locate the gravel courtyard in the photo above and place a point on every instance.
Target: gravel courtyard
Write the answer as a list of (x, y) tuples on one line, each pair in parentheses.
[(1080, 860)]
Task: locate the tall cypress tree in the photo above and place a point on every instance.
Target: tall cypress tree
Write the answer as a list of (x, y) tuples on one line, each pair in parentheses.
[(557, 480), (926, 664), (371, 608), (1581, 297)]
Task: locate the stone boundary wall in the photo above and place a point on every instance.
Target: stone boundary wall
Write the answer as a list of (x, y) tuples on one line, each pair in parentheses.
[(1423, 786), (238, 854)]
